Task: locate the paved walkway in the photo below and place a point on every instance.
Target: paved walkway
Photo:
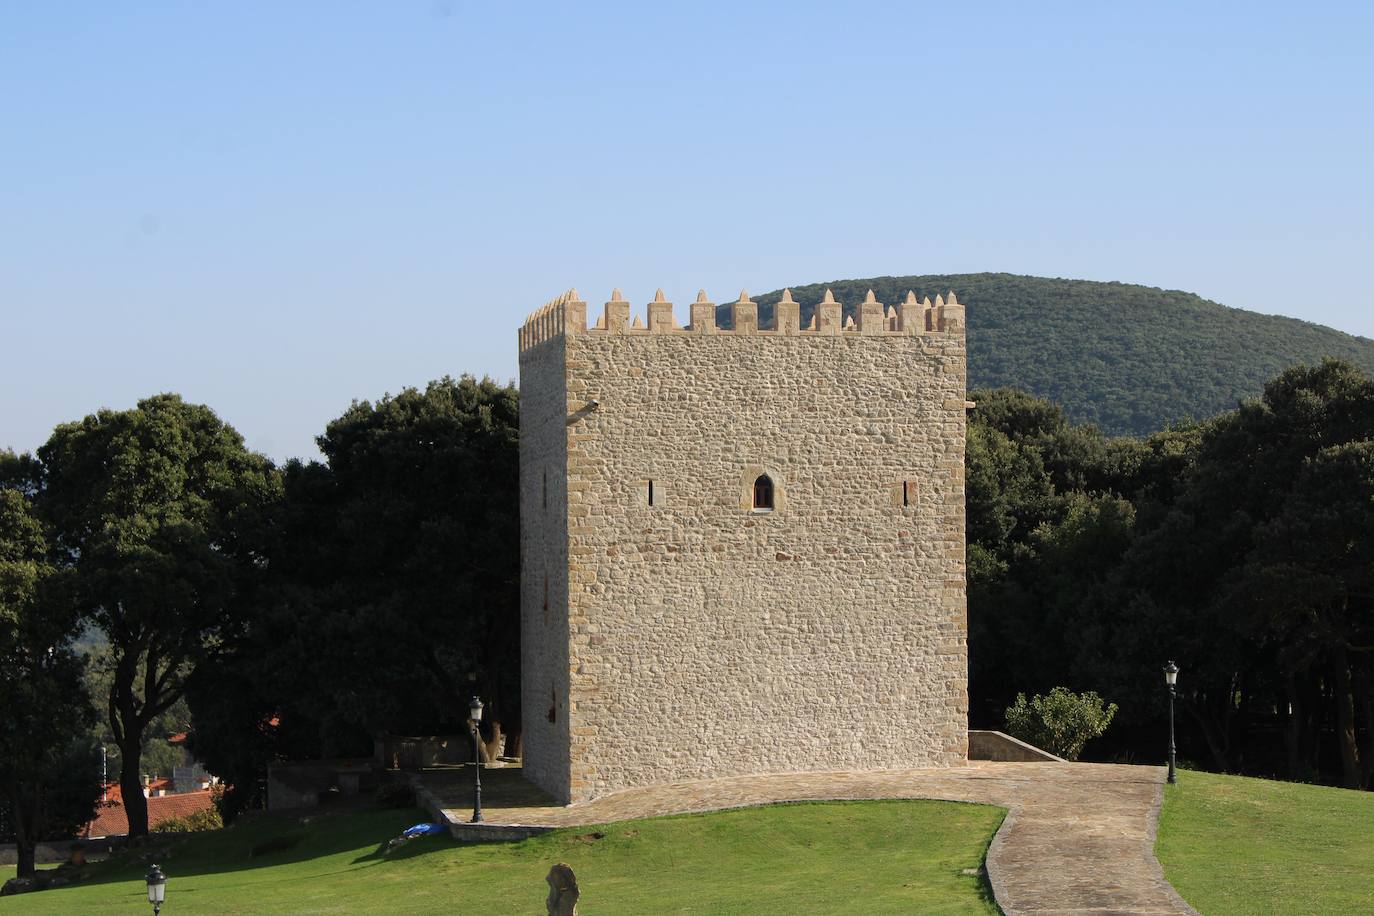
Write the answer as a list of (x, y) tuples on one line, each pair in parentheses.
[(1078, 837)]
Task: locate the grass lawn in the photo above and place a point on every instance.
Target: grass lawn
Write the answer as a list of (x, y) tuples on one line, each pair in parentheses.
[(1230, 844), (832, 857)]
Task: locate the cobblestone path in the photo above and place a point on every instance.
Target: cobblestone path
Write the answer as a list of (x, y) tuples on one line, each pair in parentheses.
[(1078, 837)]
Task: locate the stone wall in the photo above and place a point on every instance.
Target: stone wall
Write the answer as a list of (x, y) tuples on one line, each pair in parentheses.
[(544, 570), (705, 638), (44, 853)]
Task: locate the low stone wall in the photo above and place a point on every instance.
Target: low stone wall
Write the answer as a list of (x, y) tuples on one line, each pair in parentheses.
[(44, 854), (55, 853), (465, 831), (299, 783), (425, 800), (414, 752), (989, 745)]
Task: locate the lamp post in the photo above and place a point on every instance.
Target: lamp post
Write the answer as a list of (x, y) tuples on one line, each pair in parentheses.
[(475, 714), (157, 888), (1171, 678)]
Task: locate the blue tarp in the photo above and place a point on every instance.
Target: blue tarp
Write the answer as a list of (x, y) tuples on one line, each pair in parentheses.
[(424, 829)]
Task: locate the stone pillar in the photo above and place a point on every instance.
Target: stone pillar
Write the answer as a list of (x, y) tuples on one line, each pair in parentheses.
[(703, 314), (576, 320), (787, 315), (745, 314), (660, 314), (951, 313), (828, 315), (911, 318), (617, 313), (870, 315)]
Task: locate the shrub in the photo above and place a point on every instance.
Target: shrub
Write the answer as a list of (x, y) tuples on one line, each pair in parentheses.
[(1061, 722), (194, 822), (229, 801)]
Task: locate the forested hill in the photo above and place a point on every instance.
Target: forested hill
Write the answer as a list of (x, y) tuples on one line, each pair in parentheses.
[(1127, 358)]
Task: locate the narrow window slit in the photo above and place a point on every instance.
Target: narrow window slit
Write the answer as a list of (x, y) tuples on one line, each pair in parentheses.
[(906, 493), (651, 492), (763, 492)]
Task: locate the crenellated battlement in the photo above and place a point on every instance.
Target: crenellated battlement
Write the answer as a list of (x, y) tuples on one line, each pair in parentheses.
[(567, 314)]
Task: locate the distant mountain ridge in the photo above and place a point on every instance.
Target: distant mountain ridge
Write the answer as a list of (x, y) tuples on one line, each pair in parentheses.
[(1130, 359)]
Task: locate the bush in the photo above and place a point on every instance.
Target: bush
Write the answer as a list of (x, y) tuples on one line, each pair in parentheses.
[(230, 801), (194, 822), (1061, 722)]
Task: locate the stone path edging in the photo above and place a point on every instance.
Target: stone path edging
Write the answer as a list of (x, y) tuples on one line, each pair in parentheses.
[(1078, 837), (992, 861)]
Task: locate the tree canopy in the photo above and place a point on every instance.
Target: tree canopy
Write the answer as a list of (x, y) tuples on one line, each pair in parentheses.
[(392, 587), (1240, 546), (48, 780), (158, 512)]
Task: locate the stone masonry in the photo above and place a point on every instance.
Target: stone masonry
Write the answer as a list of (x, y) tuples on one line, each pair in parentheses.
[(671, 630)]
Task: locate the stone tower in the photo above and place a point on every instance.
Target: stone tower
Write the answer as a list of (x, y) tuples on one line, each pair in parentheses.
[(742, 551)]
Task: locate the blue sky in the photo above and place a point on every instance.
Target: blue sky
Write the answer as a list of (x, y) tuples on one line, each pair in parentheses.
[(276, 208)]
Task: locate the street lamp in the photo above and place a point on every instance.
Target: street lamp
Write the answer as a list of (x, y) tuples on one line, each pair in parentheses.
[(157, 888), (1171, 678), (475, 714)]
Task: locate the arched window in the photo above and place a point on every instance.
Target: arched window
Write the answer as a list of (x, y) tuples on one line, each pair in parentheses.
[(763, 492)]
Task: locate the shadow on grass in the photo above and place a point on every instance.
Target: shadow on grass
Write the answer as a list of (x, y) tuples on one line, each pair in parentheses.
[(271, 841), (985, 893), (328, 846), (984, 882), (420, 846)]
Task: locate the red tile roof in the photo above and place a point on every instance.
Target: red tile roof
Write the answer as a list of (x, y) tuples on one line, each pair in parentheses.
[(111, 820), (114, 793)]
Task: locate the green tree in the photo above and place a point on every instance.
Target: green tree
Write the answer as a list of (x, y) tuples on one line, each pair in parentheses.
[(421, 557), (1241, 574), (1312, 579), (394, 587), (157, 510), (1046, 526), (47, 784), (1239, 546), (1061, 722), (157, 757), (239, 705)]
